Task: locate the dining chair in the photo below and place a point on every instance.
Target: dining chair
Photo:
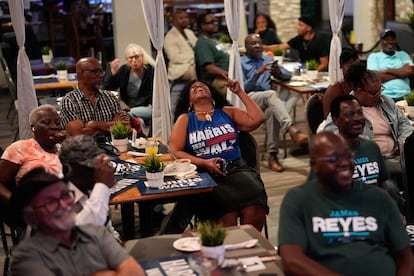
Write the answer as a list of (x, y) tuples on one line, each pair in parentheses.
[(314, 113), (407, 173), (55, 26), (13, 107), (250, 153), (74, 40)]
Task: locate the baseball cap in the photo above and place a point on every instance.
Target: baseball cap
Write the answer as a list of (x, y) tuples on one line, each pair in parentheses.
[(307, 20), (80, 149), (29, 186), (386, 33)]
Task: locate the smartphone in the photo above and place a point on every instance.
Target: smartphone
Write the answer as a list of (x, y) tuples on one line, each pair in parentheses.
[(222, 165), (274, 64)]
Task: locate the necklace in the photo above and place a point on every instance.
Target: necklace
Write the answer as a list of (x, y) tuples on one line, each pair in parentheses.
[(206, 114)]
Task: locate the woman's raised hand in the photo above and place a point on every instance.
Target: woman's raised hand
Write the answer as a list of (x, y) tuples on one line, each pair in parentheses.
[(234, 86), (115, 66)]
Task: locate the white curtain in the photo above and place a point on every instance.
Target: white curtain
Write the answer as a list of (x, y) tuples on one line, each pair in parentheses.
[(336, 16), (161, 119), (232, 10), (26, 94)]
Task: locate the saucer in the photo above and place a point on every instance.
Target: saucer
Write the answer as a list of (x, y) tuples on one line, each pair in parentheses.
[(170, 170), (297, 83), (188, 244)]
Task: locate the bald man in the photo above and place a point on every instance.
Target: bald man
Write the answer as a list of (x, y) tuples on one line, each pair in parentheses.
[(333, 226), (88, 109)]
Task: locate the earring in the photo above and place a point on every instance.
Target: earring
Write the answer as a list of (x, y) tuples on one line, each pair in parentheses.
[(33, 129), (213, 102), (190, 108)]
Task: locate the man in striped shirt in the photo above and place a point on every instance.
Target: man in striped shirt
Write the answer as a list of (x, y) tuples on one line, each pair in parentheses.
[(88, 109)]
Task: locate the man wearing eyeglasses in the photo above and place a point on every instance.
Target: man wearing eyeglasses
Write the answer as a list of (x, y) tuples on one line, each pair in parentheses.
[(58, 247), (88, 109), (385, 123), (394, 66), (332, 225)]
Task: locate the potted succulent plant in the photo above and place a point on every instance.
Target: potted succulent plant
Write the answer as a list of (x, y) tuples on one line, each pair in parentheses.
[(212, 238), (154, 170), (312, 66), (119, 135), (62, 70), (410, 101), (46, 54)]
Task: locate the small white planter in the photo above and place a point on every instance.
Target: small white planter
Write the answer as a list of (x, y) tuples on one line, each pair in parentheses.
[(62, 74), (312, 74), (47, 59), (215, 252), (121, 144), (155, 180)]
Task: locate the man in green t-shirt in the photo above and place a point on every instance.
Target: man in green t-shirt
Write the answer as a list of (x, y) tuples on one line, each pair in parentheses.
[(212, 59), (332, 225)]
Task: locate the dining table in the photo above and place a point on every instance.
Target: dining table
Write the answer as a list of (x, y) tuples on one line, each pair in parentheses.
[(301, 82), (39, 67), (52, 82), (131, 188), (153, 252)]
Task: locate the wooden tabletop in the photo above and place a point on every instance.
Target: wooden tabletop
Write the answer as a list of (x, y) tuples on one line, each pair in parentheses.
[(304, 86), (61, 84)]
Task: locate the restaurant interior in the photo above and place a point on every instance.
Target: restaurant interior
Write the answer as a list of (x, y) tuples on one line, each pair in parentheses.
[(49, 24)]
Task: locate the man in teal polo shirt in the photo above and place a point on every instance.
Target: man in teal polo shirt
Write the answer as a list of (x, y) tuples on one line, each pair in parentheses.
[(212, 59), (394, 66)]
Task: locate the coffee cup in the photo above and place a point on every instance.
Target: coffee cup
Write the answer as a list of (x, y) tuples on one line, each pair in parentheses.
[(182, 165)]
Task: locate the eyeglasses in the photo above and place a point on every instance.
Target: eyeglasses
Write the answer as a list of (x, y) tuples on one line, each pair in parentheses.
[(97, 71), (375, 93), (134, 57), (53, 204), (334, 159), (211, 22)]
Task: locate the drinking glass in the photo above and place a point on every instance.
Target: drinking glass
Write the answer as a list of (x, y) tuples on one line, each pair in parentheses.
[(151, 147), (201, 264)]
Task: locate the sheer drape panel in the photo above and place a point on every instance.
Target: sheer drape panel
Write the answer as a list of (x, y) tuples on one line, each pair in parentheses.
[(232, 12), (26, 94), (336, 16), (161, 119)]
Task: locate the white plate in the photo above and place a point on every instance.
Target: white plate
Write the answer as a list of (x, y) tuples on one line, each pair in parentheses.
[(188, 244), (169, 170), (298, 83)]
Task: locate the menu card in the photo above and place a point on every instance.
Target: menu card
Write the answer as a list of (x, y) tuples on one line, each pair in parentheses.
[(177, 265)]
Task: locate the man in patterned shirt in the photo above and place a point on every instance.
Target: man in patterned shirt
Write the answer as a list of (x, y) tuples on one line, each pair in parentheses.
[(88, 109)]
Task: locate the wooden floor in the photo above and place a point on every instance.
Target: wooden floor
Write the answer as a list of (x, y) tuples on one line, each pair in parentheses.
[(277, 184)]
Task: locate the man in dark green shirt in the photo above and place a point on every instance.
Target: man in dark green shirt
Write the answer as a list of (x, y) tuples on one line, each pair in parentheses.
[(212, 59)]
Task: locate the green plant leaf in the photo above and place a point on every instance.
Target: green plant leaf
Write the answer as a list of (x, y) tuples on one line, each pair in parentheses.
[(119, 130), (153, 163), (211, 233), (312, 64)]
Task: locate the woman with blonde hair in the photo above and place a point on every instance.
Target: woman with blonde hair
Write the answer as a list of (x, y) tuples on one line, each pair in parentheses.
[(134, 81)]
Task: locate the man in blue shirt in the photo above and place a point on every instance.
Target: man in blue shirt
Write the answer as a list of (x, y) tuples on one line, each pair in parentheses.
[(393, 65), (256, 74)]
